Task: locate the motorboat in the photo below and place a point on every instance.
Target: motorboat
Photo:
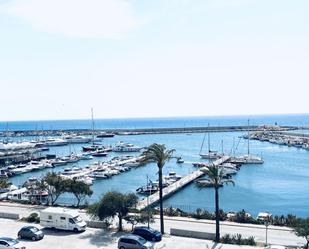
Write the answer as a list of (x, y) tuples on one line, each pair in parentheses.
[(99, 153), (85, 157), (70, 159), (126, 147), (86, 179), (132, 164), (98, 175), (76, 139), (16, 146), (180, 160), (148, 189), (172, 176), (58, 162), (105, 135), (91, 148), (200, 164), (55, 142)]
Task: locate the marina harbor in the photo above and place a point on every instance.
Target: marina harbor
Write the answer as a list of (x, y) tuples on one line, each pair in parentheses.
[(107, 160)]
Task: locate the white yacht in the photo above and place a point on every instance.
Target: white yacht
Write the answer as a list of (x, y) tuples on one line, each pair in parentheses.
[(172, 177), (16, 146), (55, 142), (76, 139), (86, 179), (98, 175), (126, 147)]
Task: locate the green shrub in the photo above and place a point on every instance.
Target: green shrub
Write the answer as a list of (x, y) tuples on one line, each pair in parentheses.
[(32, 218), (203, 214), (237, 240)]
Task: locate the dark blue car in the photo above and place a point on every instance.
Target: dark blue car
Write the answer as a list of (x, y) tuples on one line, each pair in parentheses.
[(30, 232), (148, 233)]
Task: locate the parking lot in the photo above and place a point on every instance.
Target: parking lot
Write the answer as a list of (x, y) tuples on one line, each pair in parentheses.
[(96, 238)]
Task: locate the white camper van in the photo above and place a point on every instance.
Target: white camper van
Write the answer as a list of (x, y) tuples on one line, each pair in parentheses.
[(61, 218)]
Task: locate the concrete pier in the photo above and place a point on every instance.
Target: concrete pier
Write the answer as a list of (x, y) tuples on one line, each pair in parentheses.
[(173, 188)]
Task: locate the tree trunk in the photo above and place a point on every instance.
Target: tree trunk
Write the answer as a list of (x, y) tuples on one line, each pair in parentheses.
[(161, 200), (307, 246), (120, 222), (217, 239)]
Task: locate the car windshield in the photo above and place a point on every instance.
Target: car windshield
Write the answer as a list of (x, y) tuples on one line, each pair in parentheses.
[(151, 230), (34, 229), (11, 241), (141, 240), (77, 219)]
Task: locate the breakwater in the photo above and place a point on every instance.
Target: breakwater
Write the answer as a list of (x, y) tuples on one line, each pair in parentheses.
[(142, 131)]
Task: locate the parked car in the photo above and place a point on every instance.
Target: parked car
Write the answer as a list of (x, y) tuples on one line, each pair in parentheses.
[(9, 243), (148, 233), (30, 232), (132, 241)]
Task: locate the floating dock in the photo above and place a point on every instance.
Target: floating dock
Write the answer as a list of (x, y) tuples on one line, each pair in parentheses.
[(173, 188)]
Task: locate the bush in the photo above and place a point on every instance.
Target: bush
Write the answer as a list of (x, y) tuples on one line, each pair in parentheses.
[(32, 218), (203, 214), (170, 211), (237, 240)]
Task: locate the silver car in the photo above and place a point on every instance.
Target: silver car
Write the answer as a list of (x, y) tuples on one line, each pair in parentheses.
[(132, 241), (9, 243)]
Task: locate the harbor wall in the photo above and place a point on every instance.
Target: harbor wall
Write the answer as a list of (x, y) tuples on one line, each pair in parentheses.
[(140, 131)]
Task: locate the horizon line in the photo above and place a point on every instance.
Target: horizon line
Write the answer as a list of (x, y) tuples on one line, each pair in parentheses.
[(158, 117)]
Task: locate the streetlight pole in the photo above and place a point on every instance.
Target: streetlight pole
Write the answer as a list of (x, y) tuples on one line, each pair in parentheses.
[(266, 226), (148, 209)]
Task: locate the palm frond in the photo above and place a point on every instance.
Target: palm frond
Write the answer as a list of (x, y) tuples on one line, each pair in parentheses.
[(158, 153)]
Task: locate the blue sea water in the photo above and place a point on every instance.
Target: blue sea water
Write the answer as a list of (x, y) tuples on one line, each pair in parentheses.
[(279, 186), (133, 123)]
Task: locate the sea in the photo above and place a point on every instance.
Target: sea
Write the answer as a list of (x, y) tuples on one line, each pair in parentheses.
[(279, 186)]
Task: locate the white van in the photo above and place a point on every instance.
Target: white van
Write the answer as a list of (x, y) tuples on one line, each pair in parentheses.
[(61, 218)]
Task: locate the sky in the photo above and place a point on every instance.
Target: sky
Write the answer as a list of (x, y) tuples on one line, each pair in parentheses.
[(154, 58)]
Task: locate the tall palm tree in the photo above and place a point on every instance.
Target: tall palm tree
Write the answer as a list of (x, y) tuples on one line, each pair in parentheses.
[(159, 154), (215, 179)]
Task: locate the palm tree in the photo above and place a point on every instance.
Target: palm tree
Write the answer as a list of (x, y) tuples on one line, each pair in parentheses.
[(159, 154), (216, 180)]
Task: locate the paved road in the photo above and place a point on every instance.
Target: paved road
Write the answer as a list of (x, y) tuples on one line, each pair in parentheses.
[(276, 235)]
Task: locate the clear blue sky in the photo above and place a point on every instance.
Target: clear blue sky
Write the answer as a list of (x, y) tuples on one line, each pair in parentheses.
[(59, 58)]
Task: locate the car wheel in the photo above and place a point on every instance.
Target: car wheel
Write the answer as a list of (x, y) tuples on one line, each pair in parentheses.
[(75, 230), (33, 238), (121, 247)]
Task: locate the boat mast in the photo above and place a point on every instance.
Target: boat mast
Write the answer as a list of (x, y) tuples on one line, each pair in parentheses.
[(248, 138), (208, 139), (92, 126), (202, 144), (222, 147)]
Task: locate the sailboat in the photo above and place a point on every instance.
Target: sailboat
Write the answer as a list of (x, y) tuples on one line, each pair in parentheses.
[(248, 158), (92, 147), (211, 153)]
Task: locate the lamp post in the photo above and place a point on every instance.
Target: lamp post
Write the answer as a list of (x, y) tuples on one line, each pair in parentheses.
[(148, 209), (266, 223)]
